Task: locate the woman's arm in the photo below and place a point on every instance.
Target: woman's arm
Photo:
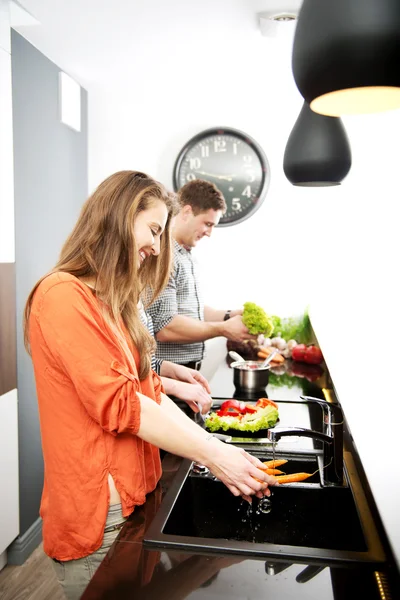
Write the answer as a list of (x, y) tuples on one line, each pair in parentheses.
[(167, 427)]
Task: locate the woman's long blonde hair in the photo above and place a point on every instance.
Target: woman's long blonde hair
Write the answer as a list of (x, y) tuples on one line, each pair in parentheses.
[(102, 246)]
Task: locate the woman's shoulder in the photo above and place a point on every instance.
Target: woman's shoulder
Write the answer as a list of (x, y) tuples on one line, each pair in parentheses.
[(60, 286), (57, 278)]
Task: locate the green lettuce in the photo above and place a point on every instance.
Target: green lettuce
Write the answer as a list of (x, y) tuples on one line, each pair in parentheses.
[(262, 419), (256, 319)]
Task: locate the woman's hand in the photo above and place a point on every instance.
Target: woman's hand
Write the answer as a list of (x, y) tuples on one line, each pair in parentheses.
[(238, 470), (182, 373), (192, 393)]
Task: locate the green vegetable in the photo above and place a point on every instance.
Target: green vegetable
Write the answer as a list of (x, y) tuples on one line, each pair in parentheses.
[(256, 320), (294, 328), (262, 419), (285, 380)]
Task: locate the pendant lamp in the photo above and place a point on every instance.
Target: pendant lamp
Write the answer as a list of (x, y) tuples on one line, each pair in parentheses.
[(346, 55), (318, 151)]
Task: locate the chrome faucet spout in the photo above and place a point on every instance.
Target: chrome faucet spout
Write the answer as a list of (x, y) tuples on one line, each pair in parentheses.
[(277, 433), (332, 439)]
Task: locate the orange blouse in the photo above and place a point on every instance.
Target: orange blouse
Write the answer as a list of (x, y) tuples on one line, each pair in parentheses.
[(89, 417)]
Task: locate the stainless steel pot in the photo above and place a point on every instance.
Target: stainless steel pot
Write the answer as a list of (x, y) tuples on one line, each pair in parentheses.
[(246, 378)]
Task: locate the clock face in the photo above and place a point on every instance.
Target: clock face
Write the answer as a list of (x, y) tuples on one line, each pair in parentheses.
[(234, 162)]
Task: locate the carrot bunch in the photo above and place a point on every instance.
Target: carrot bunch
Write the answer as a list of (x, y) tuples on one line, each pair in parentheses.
[(280, 476), (264, 352)]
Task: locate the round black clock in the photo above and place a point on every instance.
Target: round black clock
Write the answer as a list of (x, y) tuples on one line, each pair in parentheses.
[(234, 162)]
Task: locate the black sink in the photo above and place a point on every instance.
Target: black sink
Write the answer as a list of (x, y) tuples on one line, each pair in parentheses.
[(302, 522), (295, 516)]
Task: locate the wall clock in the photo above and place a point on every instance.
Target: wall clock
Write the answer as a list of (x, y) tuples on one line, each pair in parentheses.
[(234, 162)]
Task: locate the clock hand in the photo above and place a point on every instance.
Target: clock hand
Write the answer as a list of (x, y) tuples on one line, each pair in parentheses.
[(226, 177)]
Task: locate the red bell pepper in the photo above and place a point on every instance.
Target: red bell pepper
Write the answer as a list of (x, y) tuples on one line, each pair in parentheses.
[(263, 402), (231, 404)]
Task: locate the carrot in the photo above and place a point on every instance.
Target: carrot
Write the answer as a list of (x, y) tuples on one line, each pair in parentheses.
[(273, 472), (278, 358), (265, 350), (272, 464), (293, 478)]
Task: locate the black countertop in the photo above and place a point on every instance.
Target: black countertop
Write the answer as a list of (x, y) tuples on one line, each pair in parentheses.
[(130, 570)]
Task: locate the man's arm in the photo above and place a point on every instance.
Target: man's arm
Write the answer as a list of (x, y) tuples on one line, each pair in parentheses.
[(212, 314), (185, 330)]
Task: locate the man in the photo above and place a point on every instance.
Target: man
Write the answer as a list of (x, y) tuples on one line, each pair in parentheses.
[(181, 321)]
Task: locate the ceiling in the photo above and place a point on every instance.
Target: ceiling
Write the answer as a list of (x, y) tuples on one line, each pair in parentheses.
[(96, 41)]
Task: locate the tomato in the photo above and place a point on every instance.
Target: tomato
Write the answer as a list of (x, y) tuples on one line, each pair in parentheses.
[(299, 352), (310, 372), (307, 354), (263, 402), (313, 355)]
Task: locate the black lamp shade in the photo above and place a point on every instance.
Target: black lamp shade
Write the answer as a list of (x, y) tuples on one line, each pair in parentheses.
[(318, 151), (346, 55)]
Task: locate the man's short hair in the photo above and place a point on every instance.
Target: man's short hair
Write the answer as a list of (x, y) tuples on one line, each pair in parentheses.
[(201, 196)]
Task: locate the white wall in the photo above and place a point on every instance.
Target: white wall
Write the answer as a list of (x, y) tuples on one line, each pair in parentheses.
[(335, 249), (7, 236), (9, 515)]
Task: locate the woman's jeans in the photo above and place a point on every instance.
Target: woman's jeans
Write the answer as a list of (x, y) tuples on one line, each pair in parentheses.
[(74, 575)]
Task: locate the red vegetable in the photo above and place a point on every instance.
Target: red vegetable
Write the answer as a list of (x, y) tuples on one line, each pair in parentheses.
[(314, 355), (310, 372), (263, 402), (299, 352), (229, 412), (308, 354), (231, 404)]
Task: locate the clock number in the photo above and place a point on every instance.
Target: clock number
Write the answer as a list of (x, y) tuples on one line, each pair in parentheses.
[(190, 177), (205, 151), (195, 163), (250, 176), (236, 204), (234, 145), (219, 146), (247, 191), (247, 158)]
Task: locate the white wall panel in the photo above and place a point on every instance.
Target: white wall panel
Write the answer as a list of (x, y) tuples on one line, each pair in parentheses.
[(7, 233), (9, 514), (5, 39)]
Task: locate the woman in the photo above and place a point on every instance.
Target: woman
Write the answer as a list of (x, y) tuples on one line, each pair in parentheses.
[(103, 413)]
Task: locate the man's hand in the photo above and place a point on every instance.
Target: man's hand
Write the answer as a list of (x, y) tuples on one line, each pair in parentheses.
[(235, 330)]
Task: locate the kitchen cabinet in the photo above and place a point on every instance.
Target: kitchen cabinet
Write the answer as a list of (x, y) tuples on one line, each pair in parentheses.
[(9, 514)]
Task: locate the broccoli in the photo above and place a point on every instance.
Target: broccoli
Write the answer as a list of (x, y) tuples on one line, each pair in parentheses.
[(256, 320)]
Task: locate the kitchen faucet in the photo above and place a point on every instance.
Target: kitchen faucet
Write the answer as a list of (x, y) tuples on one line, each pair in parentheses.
[(332, 438)]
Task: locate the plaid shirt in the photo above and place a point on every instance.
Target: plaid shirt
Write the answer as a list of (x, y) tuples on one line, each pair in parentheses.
[(180, 297), (147, 322)]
